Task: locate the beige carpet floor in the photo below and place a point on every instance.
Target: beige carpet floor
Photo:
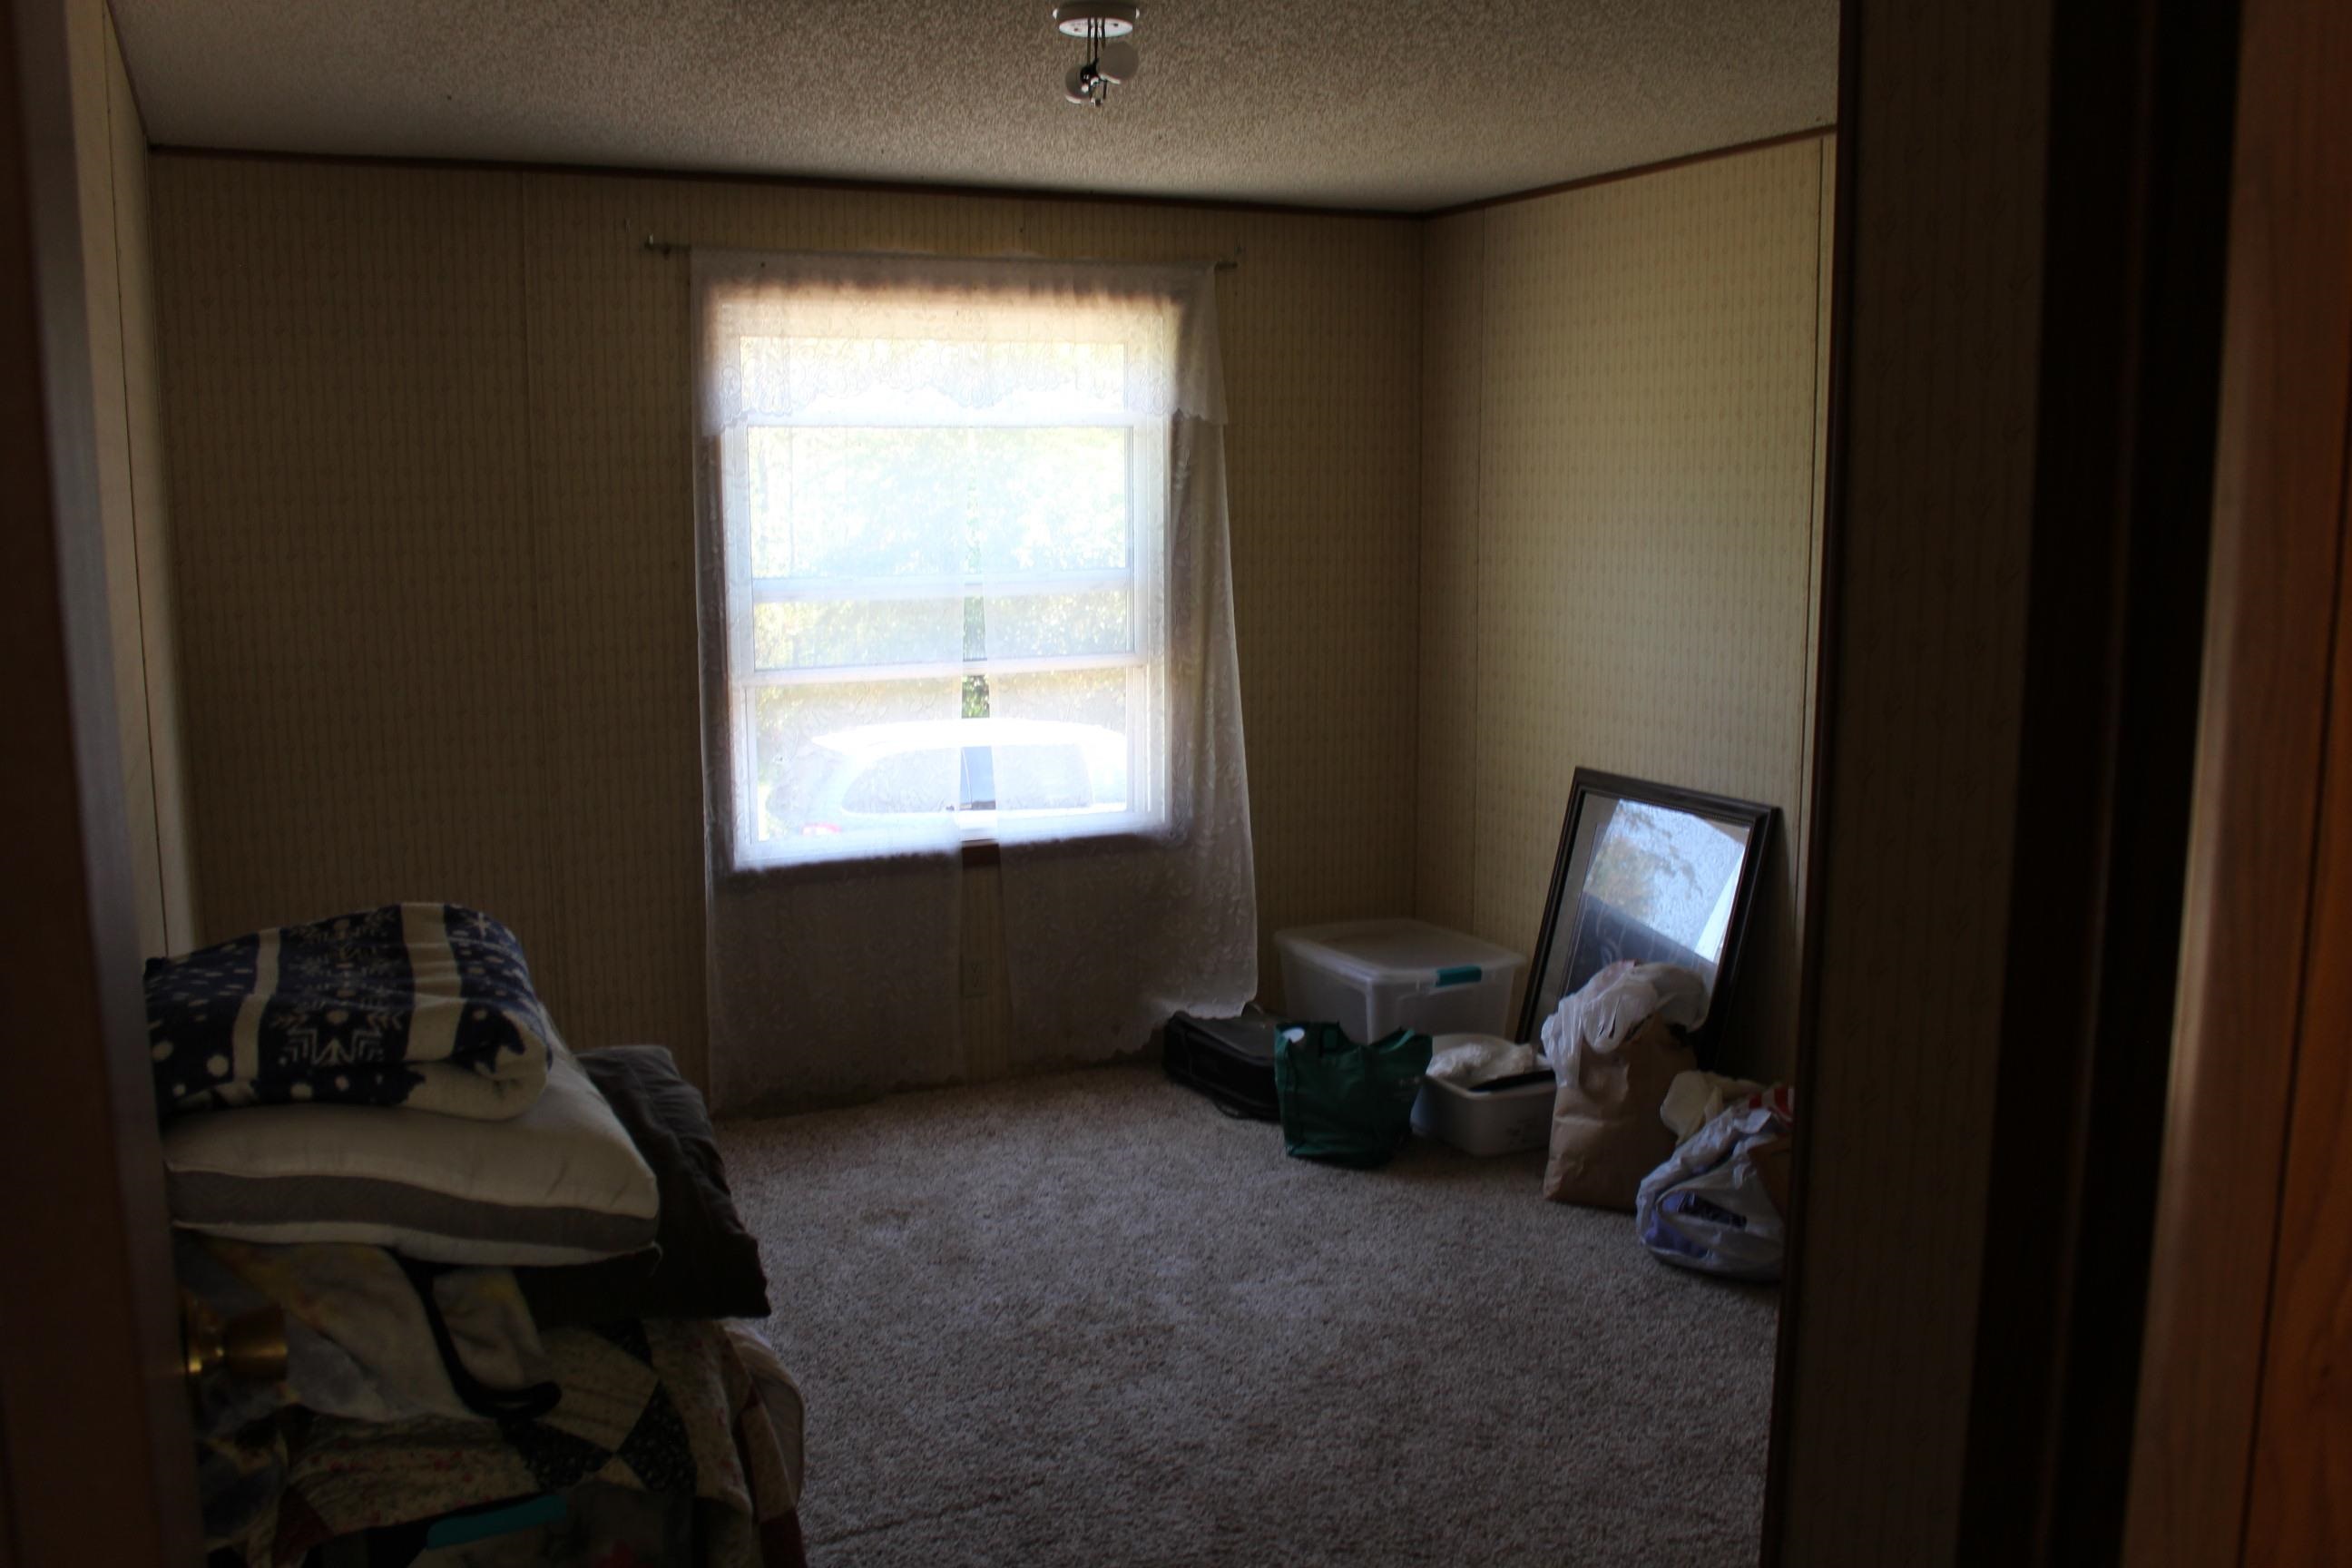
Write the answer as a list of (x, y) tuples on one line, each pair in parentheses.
[(1086, 1319)]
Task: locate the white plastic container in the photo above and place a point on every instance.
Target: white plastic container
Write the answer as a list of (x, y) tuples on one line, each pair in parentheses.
[(1375, 977), (1498, 1122)]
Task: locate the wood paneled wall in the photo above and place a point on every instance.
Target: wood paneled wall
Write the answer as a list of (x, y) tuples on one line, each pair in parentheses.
[(430, 436), (1619, 516), (110, 157)]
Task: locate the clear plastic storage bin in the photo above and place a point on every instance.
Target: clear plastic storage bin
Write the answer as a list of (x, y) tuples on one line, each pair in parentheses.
[(1492, 1121), (1375, 977)]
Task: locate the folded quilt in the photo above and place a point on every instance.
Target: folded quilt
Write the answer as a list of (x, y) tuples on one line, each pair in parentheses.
[(428, 1006)]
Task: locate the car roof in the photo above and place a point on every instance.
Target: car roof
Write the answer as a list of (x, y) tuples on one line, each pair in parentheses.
[(869, 740)]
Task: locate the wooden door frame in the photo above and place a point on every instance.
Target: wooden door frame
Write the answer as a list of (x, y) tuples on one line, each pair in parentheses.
[(2298, 1501), (1812, 875), (2257, 994), (2135, 206), (2135, 231), (96, 1462)]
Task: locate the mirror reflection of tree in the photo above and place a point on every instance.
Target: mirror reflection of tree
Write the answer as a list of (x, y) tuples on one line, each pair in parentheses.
[(1638, 866), (1669, 870)]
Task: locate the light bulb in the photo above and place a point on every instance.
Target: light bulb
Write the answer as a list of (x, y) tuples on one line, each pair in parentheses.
[(1079, 83)]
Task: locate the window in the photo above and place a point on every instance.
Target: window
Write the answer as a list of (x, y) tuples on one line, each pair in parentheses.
[(944, 529), (963, 571)]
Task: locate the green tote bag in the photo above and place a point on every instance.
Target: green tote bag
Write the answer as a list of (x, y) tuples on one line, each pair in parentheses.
[(1342, 1102)]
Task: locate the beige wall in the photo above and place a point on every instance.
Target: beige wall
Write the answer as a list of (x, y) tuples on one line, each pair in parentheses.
[(1515, 491), (430, 445), (1621, 427), (111, 150)]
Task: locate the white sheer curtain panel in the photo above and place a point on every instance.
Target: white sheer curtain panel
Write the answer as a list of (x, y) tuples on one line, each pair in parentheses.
[(964, 584), (1104, 939)]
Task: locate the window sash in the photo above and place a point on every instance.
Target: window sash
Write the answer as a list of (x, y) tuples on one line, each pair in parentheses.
[(1145, 577), (984, 585), (1148, 503), (866, 674)]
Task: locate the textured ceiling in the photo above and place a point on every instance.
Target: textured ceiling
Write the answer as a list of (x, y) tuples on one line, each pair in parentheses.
[(1383, 103)]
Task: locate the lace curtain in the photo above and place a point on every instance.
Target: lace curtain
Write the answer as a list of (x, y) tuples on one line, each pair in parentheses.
[(964, 580)]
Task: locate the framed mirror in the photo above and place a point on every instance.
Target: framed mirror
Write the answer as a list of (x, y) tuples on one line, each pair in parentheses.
[(1650, 872)]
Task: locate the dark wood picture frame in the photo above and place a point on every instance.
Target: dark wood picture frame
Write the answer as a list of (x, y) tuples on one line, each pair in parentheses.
[(1754, 816)]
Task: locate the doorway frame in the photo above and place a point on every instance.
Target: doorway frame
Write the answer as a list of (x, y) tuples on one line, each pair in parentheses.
[(95, 1437)]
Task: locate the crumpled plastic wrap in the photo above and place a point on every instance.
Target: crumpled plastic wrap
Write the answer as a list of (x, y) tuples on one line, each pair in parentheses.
[(1466, 1062), (1611, 1006)]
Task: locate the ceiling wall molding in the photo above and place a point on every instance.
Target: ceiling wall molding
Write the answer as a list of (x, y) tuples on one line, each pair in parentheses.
[(1008, 193), (1636, 172), (797, 182)]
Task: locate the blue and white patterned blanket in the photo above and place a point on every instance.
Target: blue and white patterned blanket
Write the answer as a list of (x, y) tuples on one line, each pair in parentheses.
[(424, 1006)]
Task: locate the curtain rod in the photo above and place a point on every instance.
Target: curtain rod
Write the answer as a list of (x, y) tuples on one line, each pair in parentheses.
[(1222, 263)]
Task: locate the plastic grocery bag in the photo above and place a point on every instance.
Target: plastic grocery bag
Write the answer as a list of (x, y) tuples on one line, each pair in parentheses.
[(1710, 1206), (1346, 1103), (1611, 1006)]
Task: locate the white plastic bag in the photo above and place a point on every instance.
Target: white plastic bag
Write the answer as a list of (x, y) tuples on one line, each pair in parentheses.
[(1612, 1005), (1706, 1207)]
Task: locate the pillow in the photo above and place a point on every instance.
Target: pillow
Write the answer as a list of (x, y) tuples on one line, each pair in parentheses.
[(560, 1184), (707, 1265)]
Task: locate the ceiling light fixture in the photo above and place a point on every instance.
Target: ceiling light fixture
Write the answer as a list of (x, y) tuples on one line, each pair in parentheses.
[(1104, 25)]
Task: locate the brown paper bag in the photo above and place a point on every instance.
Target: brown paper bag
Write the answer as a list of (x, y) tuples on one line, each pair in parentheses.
[(1605, 1131)]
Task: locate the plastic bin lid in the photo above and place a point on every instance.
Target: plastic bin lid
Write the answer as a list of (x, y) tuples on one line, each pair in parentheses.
[(1369, 950)]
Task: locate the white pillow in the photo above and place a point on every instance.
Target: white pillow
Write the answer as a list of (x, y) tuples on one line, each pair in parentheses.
[(560, 1184)]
